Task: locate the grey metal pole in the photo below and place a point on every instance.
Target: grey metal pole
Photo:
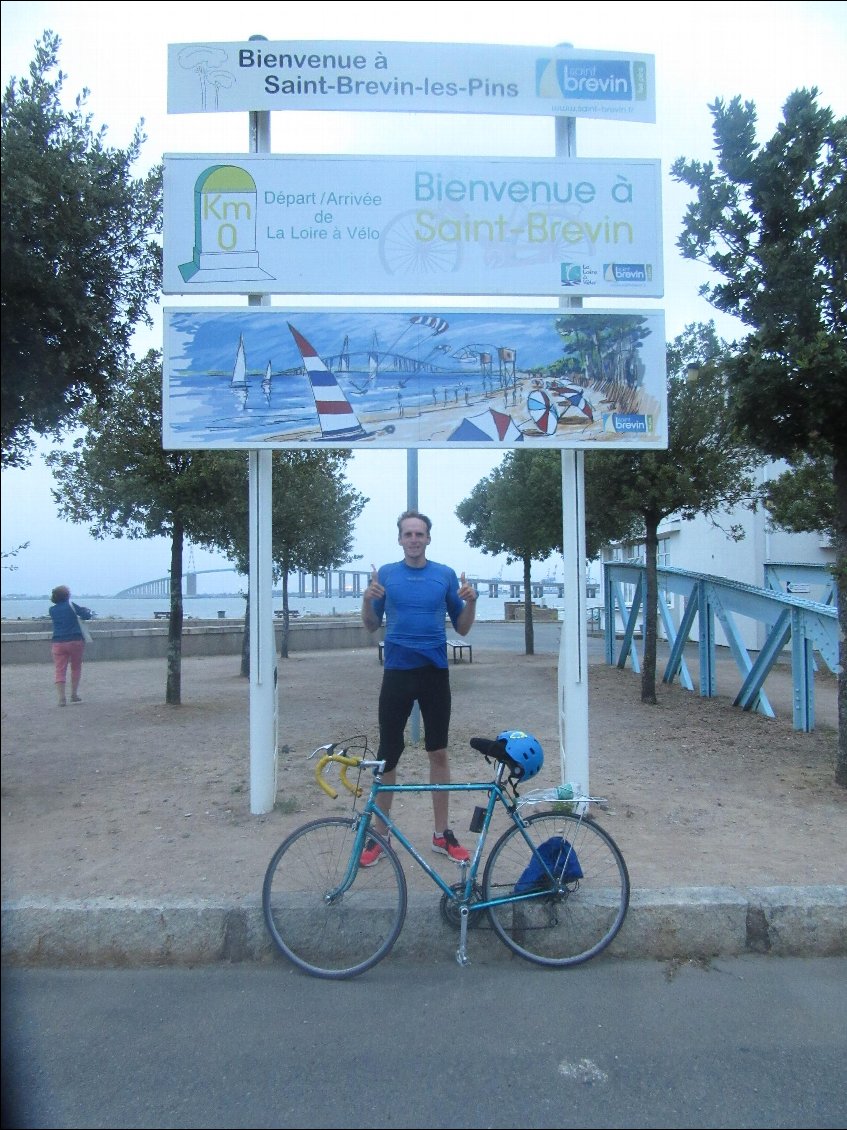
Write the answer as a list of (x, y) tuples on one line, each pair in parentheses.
[(263, 672)]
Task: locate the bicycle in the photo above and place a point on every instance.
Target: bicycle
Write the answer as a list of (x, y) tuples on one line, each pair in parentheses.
[(555, 888)]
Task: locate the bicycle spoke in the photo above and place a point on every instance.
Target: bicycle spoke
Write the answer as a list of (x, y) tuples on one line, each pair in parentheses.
[(326, 932), (576, 919)]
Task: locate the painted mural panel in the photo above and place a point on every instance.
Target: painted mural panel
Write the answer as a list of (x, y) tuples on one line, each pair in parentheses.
[(290, 377)]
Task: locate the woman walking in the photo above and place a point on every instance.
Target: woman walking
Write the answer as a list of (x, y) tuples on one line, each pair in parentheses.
[(68, 641)]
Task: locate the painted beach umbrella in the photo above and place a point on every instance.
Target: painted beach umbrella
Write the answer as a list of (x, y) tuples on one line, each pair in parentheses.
[(489, 426), (574, 406), (544, 413)]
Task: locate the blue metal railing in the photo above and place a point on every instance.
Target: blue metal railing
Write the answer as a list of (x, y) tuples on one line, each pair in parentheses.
[(805, 627)]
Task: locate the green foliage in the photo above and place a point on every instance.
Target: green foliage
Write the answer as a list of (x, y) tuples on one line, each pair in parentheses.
[(517, 509), (707, 466), (313, 517), (803, 498), (771, 220), (117, 478), (80, 261), (11, 554)]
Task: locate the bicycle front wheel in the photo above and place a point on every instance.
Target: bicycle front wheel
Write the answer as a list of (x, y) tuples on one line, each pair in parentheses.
[(575, 919), (323, 932)]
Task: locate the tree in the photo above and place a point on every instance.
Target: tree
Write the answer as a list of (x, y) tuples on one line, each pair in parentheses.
[(80, 261), (706, 468), (117, 478), (803, 498), (12, 553), (517, 510), (314, 511), (603, 352), (771, 220)]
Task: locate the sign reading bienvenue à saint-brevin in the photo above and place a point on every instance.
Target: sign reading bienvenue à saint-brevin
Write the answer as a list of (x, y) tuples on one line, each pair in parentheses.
[(430, 77), (411, 225)]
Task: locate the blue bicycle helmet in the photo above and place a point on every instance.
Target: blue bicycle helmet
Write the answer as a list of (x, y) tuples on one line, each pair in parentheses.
[(523, 753)]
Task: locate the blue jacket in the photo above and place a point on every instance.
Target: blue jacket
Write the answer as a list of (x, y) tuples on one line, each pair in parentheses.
[(65, 623)]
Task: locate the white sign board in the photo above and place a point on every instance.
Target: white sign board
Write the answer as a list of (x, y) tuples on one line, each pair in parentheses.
[(283, 377), (431, 77), (236, 224)]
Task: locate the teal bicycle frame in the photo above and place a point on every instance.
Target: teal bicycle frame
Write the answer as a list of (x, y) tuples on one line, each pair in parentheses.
[(463, 892)]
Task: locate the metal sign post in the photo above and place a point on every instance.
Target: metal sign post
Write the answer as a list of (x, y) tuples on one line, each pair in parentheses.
[(263, 672), (573, 641)]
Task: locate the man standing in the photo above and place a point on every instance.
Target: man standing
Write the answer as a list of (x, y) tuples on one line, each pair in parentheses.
[(415, 595)]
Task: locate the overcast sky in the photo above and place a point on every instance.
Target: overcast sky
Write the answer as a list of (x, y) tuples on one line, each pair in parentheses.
[(119, 52)]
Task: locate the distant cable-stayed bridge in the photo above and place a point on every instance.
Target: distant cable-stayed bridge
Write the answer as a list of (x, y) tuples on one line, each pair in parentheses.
[(346, 581)]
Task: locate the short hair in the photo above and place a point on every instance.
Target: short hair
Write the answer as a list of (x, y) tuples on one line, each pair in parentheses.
[(413, 514), (60, 592)]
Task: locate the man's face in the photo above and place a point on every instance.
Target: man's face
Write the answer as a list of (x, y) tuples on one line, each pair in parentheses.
[(414, 539)]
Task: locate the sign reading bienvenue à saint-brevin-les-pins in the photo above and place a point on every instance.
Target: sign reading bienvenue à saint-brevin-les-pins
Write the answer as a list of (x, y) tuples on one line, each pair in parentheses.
[(430, 77), (286, 377), (411, 225)]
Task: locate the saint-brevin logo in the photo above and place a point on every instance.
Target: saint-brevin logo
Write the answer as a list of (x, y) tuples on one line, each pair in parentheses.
[(591, 80), (225, 249)]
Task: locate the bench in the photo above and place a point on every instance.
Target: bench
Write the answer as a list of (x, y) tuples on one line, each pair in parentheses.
[(458, 647)]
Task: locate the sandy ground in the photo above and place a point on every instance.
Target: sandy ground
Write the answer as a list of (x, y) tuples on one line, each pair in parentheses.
[(124, 796)]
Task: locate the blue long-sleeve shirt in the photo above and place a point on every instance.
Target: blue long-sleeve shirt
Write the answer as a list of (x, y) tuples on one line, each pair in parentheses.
[(414, 607)]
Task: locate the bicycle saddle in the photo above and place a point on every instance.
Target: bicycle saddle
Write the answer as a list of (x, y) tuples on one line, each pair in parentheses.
[(492, 749), (520, 751)]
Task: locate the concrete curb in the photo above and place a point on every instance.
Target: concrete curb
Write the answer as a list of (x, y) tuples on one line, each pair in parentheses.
[(682, 923)]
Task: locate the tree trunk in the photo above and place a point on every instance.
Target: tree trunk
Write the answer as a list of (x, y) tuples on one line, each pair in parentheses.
[(283, 648), (173, 688), (650, 608), (528, 626), (841, 590)]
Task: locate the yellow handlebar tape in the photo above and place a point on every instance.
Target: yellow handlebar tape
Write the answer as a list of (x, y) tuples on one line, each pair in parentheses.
[(345, 763)]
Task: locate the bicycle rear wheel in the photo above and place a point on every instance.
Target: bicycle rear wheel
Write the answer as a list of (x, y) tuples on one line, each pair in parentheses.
[(578, 919), (332, 937)]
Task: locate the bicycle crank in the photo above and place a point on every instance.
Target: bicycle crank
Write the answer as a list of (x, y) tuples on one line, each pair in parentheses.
[(451, 911)]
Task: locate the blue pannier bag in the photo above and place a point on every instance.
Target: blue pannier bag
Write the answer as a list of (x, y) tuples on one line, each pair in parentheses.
[(560, 858)]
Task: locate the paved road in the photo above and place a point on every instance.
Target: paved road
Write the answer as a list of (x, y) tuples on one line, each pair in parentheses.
[(748, 1042)]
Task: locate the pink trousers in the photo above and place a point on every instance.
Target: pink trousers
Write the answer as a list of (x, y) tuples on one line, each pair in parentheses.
[(65, 653)]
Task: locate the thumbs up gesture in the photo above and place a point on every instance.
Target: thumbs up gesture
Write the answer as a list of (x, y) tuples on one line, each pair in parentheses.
[(466, 591), (374, 591)]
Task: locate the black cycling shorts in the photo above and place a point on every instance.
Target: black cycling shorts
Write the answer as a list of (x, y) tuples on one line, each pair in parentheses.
[(430, 688)]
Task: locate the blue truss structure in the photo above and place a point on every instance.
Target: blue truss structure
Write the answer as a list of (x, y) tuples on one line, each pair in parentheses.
[(791, 621)]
